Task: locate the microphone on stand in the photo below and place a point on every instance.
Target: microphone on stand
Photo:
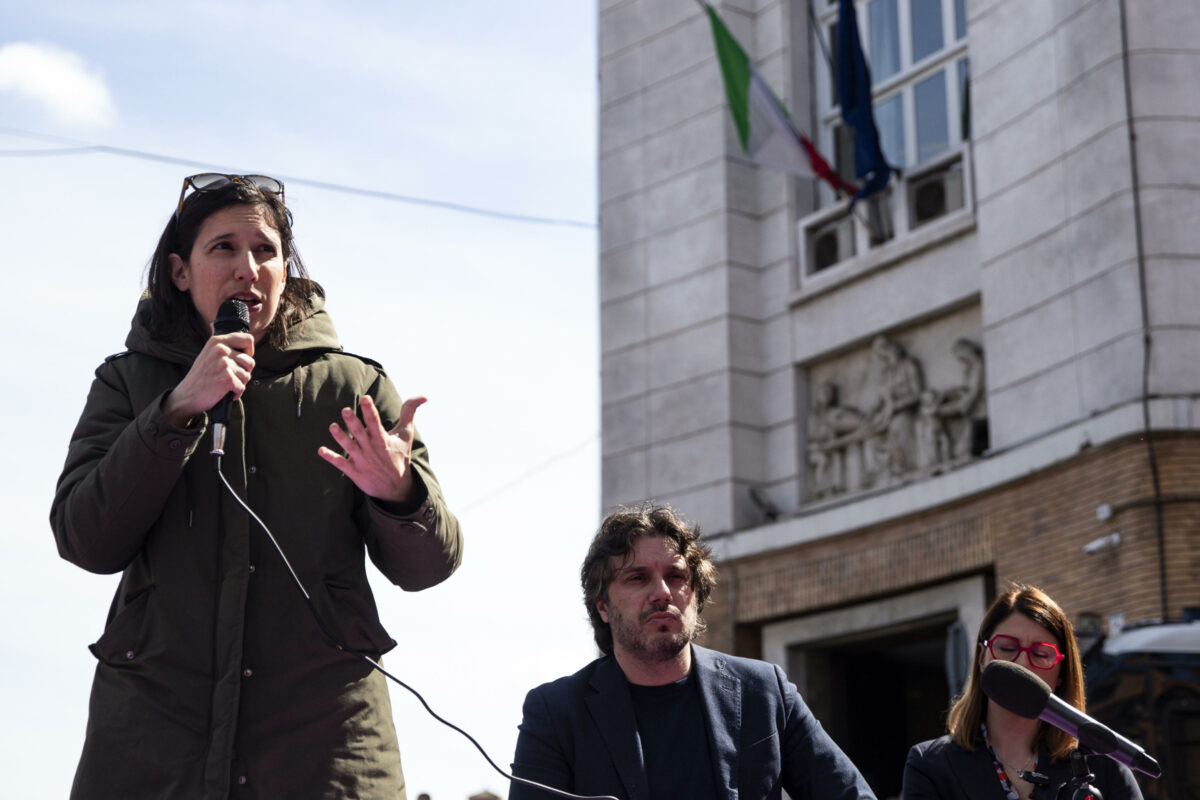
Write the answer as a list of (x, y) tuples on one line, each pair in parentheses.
[(232, 317), (1018, 690)]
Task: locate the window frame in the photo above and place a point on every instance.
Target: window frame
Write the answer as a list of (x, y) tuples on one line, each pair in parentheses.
[(905, 234), (908, 236), (903, 82)]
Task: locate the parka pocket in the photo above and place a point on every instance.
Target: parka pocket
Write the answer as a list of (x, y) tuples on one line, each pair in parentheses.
[(121, 641), (354, 617)]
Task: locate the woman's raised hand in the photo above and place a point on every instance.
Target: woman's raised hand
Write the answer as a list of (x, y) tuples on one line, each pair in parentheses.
[(377, 460)]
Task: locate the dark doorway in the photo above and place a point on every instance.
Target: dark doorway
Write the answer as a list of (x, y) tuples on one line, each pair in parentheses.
[(879, 693)]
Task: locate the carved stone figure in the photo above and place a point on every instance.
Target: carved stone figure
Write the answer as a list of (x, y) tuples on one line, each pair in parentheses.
[(831, 429), (899, 389), (932, 442), (963, 404)]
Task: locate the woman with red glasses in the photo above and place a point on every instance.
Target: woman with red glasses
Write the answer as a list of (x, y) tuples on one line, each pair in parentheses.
[(217, 676), (991, 753)]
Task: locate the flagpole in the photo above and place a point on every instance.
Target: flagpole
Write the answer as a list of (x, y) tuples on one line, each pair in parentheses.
[(856, 211), (816, 25), (817, 31)]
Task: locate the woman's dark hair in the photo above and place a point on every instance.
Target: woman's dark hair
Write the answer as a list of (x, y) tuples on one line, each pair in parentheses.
[(616, 538), (969, 711), (172, 315)]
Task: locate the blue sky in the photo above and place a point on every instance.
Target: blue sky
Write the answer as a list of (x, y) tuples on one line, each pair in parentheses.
[(476, 103)]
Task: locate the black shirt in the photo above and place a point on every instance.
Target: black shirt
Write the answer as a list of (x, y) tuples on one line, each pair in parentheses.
[(674, 735)]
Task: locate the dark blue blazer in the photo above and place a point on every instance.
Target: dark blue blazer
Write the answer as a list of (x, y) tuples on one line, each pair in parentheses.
[(942, 770), (579, 734)]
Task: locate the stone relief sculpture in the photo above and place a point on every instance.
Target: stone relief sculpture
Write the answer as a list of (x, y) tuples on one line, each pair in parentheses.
[(898, 387), (963, 402), (910, 430), (831, 428), (931, 442)]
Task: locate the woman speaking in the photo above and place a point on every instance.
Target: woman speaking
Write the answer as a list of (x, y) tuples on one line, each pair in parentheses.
[(217, 675)]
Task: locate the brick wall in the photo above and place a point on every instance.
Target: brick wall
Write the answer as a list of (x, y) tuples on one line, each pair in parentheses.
[(1031, 530)]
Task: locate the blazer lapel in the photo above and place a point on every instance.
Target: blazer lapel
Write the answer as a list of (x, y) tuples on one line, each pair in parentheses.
[(974, 772), (721, 693), (612, 710)]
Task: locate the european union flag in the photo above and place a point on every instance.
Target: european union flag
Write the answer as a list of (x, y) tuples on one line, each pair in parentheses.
[(854, 95)]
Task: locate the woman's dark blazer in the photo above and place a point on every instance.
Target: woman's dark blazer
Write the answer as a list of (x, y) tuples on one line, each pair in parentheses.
[(942, 770)]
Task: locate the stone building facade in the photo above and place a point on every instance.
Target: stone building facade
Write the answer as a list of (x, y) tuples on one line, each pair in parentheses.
[(988, 375)]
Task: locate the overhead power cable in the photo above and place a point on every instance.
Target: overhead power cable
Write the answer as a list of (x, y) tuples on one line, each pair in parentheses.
[(527, 474), (84, 148)]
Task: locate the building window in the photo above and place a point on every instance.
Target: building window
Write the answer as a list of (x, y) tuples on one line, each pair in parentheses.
[(918, 56), (921, 98)]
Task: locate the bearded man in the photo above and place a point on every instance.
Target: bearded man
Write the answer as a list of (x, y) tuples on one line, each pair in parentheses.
[(658, 717)]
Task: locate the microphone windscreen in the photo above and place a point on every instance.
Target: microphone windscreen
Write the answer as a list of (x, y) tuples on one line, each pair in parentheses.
[(1015, 688), (232, 317)]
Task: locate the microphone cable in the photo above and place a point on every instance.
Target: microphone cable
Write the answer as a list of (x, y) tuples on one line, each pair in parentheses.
[(347, 649)]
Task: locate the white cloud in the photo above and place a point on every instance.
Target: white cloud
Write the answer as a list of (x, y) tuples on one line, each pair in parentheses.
[(57, 79)]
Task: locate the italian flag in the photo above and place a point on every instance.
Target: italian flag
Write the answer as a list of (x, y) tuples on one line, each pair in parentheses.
[(764, 128)]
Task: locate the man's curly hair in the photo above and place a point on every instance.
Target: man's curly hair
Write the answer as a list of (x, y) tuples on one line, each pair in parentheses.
[(616, 537)]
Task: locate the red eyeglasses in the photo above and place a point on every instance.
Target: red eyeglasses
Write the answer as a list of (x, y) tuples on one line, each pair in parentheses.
[(1042, 655)]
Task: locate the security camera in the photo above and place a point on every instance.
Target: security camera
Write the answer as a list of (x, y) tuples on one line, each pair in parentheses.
[(1109, 542)]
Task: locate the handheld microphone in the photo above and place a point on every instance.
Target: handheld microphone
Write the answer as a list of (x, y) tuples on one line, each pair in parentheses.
[(232, 317), (1018, 690)]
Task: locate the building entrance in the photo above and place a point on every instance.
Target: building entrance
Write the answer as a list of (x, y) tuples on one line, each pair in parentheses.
[(881, 693), (879, 675)]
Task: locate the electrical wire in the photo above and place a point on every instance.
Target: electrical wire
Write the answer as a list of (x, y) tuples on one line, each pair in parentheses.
[(527, 474), (85, 148), (347, 649)]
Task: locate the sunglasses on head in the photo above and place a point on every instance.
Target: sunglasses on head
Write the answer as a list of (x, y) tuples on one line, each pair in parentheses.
[(207, 181)]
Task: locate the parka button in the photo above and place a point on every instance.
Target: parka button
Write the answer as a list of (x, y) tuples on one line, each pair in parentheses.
[(252, 568), (128, 655), (241, 780), (252, 470), (255, 382), (174, 445), (246, 673)]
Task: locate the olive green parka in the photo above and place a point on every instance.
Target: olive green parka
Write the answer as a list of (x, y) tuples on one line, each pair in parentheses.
[(214, 680)]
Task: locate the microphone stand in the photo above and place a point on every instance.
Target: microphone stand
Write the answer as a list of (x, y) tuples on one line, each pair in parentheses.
[(1081, 778)]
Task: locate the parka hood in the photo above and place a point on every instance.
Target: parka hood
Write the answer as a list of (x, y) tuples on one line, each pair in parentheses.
[(312, 330)]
